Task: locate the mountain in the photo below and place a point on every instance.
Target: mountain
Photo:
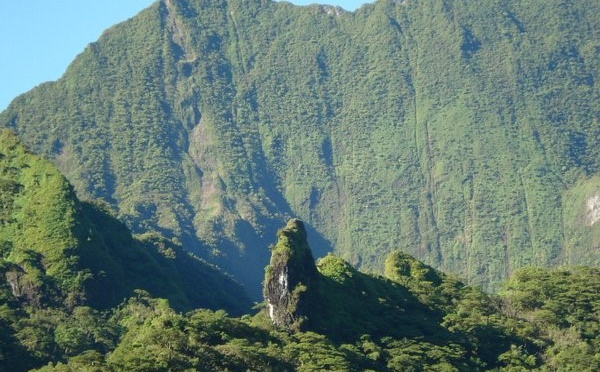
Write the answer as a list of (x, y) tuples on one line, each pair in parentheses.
[(418, 318), (414, 318), (462, 133), (59, 252)]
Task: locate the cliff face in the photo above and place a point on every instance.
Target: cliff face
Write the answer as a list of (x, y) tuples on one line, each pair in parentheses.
[(289, 277), (213, 121)]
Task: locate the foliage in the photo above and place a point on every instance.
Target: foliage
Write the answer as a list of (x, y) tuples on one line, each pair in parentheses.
[(544, 320), (63, 262), (154, 337), (565, 305), (462, 132), (457, 131)]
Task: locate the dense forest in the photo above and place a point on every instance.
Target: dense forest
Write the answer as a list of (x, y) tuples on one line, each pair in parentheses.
[(58, 251), (464, 133), (234, 185), (79, 293)]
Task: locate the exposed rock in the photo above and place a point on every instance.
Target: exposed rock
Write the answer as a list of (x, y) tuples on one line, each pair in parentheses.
[(21, 288), (332, 10), (290, 277), (593, 206)]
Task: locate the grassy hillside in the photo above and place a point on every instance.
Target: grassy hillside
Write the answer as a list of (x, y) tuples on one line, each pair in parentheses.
[(459, 132)]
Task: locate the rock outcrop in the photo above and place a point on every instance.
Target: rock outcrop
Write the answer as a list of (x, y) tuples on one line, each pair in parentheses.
[(290, 277), (593, 206)]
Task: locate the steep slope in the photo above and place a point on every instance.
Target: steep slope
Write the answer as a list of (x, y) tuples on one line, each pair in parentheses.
[(453, 130), (59, 252), (415, 319), (445, 321)]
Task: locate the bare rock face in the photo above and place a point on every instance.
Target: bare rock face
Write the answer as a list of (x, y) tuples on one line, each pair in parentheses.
[(290, 277), (593, 206), (22, 288)]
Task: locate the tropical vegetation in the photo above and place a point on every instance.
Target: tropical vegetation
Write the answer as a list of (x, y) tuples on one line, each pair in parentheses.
[(464, 133)]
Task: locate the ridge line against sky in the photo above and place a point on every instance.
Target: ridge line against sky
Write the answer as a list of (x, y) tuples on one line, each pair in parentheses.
[(40, 38)]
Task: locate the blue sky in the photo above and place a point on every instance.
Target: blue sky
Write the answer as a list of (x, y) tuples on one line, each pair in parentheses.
[(39, 38)]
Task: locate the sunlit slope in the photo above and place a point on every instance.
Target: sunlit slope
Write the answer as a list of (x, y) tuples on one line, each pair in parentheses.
[(56, 251), (452, 130)]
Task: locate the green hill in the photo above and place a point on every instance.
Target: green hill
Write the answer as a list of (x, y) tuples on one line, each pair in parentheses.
[(64, 264), (338, 319), (59, 252), (464, 133)]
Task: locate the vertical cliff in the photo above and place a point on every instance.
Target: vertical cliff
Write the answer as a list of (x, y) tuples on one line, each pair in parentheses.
[(289, 277)]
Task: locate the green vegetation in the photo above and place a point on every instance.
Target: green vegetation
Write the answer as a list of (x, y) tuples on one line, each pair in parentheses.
[(564, 305), (65, 263), (57, 250), (414, 319), (457, 131), (461, 133)]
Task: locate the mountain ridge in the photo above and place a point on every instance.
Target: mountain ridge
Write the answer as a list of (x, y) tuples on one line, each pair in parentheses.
[(215, 121), (60, 252), (80, 292)]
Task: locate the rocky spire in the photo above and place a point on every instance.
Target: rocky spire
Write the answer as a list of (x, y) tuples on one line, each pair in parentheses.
[(289, 278)]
